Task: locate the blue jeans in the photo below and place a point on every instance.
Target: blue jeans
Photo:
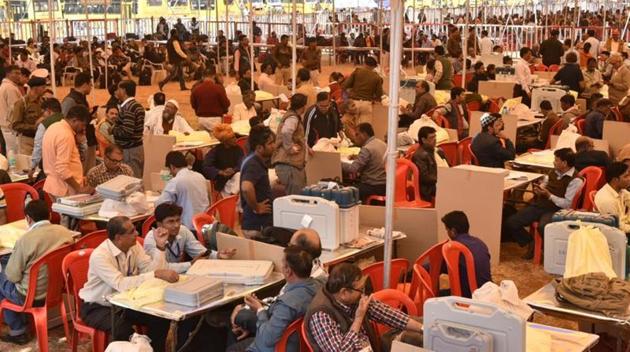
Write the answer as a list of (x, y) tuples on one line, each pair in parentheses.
[(15, 321)]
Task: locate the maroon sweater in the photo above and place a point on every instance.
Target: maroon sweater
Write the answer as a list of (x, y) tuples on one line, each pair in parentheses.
[(209, 100)]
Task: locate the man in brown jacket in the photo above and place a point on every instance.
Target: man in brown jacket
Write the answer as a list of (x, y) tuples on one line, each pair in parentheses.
[(365, 86), (26, 113), (312, 61)]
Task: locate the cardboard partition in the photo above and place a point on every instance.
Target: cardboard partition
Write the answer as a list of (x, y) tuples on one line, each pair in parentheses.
[(251, 250), (600, 144), (478, 192), (379, 121), (155, 150), (497, 89), (323, 165), (617, 134), (581, 103), (420, 226), (23, 162), (510, 123)]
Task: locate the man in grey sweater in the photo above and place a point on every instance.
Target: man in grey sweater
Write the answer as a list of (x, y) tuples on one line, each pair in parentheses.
[(369, 164)]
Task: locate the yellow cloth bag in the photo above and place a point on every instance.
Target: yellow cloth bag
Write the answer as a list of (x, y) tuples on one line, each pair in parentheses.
[(587, 252)]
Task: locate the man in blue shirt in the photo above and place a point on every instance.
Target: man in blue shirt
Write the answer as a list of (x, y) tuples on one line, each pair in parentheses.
[(187, 188), (594, 125), (456, 223), (272, 320), (255, 185)]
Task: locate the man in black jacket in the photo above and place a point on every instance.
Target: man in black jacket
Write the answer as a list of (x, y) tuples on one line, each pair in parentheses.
[(176, 57), (322, 120), (586, 155), (551, 49), (426, 159), (491, 147)]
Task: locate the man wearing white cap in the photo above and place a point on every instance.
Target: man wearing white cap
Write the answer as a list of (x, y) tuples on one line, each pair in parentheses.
[(491, 146), (169, 120)]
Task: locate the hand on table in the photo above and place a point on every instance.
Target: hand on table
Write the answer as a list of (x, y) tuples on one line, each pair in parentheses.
[(226, 253), (166, 275)]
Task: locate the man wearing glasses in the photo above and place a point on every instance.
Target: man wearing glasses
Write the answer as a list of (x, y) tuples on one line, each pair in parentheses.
[(340, 315), (111, 167)]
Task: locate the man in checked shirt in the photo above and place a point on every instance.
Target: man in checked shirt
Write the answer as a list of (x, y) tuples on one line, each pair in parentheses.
[(338, 319)]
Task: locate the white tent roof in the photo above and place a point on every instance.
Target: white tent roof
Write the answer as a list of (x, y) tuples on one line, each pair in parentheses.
[(363, 4)]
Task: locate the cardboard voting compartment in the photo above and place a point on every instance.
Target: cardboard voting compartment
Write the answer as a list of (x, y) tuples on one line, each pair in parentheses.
[(251, 250), (510, 123), (155, 150), (322, 165), (420, 226), (478, 192), (617, 134), (497, 89), (379, 120)]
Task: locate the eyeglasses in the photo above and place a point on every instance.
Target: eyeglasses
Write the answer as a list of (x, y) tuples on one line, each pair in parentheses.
[(361, 290), (115, 161)]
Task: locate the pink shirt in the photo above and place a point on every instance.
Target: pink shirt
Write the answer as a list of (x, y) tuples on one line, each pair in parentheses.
[(61, 159)]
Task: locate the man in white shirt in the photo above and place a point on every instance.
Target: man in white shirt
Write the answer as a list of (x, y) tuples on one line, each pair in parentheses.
[(156, 107), (170, 119), (486, 43), (265, 81), (187, 188), (590, 38), (614, 198), (117, 265), (245, 110), (10, 93), (26, 62), (180, 242), (524, 75)]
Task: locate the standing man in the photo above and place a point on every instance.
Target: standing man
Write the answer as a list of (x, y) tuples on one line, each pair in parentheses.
[(370, 163), (51, 113), (524, 75), (590, 38), (322, 120), (254, 184), (62, 164), (40, 238), (491, 147), (282, 56), (289, 158), (428, 158), (26, 113), (365, 86), (242, 56), (10, 94), (551, 49), (176, 57), (129, 127), (443, 77), (304, 86), (210, 102), (187, 188), (78, 96), (312, 60), (486, 43), (619, 83)]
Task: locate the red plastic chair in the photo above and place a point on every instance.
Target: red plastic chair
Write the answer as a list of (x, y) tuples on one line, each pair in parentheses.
[(457, 80), (541, 67), (401, 198), (293, 328), (555, 130), (375, 272), (593, 180), (450, 151), (243, 142), (591, 198), (226, 208), (54, 288), (452, 251), (15, 195), (75, 268), (412, 149), (442, 121), (55, 218), (493, 106), (580, 124), (473, 157), (554, 68), (147, 225), (462, 151), (140, 241), (421, 287), (307, 344), (397, 300), (474, 106), (91, 240), (435, 259), (617, 113), (198, 221)]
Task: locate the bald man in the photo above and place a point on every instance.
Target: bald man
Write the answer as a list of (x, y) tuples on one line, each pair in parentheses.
[(586, 155)]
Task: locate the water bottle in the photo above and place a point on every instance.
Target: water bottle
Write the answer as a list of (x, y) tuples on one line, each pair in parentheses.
[(165, 175), (12, 161)]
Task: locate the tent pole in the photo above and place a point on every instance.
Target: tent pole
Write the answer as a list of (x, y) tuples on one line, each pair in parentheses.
[(293, 48), (251, 47), (51, 42)]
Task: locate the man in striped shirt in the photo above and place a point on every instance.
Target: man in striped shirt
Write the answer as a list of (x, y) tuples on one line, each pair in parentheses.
[(129, 127)]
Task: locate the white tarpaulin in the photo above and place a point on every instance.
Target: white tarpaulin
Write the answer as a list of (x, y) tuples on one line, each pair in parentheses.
[(362, 4)]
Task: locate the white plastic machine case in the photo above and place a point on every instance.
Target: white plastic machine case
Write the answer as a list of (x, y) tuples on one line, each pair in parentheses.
[(446, 317), (557, 238), (319, 214), (551, 94), (119, 187), (194, 292), (244, 272)]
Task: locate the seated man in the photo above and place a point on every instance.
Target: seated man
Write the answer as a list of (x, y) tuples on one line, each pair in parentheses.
[(245, 83), (188, 188), (594, 125), (156, 107), (614, 198), (170, 119), (273, 319), (456, 112), (369, 164), (247, 109), (111, 167), (427, 158), (340, 316), (479, 74), (322, 120), (569, 110), (586, 155), (423, 102), (41, 237), (180, 241), (117, 265), (491, 146), (224, 160), (456, 224), (557, 192)]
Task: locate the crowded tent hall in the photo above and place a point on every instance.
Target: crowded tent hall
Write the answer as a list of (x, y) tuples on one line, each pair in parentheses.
[(334, 176)]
